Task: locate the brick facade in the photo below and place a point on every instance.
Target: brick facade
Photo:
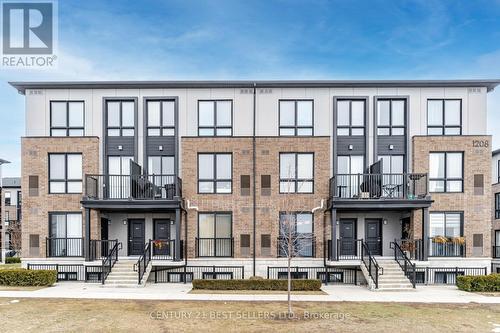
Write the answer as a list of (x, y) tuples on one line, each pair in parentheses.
[(495, 222), (268, 207), (476, 208), (35, 209)]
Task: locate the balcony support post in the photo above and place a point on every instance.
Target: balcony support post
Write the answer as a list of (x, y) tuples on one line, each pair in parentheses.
[(333, 234), (86, 248), (425, 233), (177, 244)]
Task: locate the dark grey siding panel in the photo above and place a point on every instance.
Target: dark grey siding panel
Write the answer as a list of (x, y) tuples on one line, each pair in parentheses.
[(154, 142), (399, 143), (358, 145), (127, 144)]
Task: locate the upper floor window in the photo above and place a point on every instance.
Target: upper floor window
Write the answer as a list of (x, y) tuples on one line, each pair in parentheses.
[(161, 165), (7, 199), (66, 118), (296, 172), (215, 173), (497, 206), (65, 173), (446, 172), (391, 116), (161, 118), (215, 118), (296, 117), (350, 117), (120, 118), (444, 117)]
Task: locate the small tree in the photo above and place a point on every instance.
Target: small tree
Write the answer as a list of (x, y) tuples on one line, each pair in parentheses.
[(14, 231)]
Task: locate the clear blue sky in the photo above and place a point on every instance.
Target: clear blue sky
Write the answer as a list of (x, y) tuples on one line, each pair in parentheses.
[(168, 40)]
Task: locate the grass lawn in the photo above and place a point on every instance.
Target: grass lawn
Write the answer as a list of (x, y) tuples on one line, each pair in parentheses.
[(201, 316), (10, 266)]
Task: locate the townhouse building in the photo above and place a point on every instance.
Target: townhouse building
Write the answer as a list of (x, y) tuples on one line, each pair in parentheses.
[(11, 214), (376, 182), (495, 216)]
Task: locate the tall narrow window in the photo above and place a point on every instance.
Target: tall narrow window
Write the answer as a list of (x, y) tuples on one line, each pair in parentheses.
[(215, 118), (120, 118), (347, 179), (446, 172), (444, 117), (161, 118), (67, 118), (65, 232), (497, 208), (119, 177), (296, 117), (65, 173), (7, 198), (350, 117), (296, 172), (215, 235), (391, 116), (215, 173)]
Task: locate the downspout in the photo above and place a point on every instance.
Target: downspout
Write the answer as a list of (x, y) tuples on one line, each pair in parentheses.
[(188, 207), (254, 173), (322, 208)]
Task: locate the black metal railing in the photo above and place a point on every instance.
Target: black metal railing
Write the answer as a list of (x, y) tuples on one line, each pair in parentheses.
[(446, 275), (189, 273), (139, 187), (214, 247), (404, 262), (370, 263), (440, 246), (301, 246), (496, 251), (408, 186), (64, 247), (100, 248), (326, 274), (347, 249), (143, 262), (163, 249), (109, 261), (413, 248)]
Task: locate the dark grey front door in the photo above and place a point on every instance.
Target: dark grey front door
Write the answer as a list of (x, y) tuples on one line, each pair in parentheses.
[(136, 237), (373, 236), (162, 233), (347, 237)]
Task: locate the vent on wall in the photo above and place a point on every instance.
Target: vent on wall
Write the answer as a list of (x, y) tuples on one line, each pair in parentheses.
[(265, 244), (477, 244), (475, 90), (34, 245), (245, 245)]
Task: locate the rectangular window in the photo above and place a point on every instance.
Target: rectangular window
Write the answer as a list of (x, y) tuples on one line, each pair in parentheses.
[(215, 234), (498, 171), (478, 184), (446, 224), (215, 118), (350, 117), (33, 186), (446, 172), (245, 184), (444, 116), (300, 227), (65, 173), (391, 116), (265, 185), (296, 172), (497, 206), (67, 118), (65, 229), (161, 165), (215, 173), (296, 117), (120, 118), (7, 198), (161, 118)]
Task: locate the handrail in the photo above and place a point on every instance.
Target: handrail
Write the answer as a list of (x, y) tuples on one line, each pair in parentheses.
[(371, 264), (143, 262), (110, 260), (406, 265)]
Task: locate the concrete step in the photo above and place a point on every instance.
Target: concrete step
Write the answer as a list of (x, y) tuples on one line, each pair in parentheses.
[(382, 285), (122, 277)]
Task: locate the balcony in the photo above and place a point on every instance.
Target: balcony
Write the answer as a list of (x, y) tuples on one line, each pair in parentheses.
[(440, 246), (214, 247), (371, 190), (64, 247), (301, 246), (346, 249), (146, 191)]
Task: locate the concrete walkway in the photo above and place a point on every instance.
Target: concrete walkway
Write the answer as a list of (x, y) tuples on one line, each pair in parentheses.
[(179, 291)]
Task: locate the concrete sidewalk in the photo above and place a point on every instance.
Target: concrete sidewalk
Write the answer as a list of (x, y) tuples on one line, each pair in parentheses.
[(179, 291)]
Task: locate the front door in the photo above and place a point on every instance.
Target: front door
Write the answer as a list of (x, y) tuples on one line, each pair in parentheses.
[(162, 234), (347, 235), (136, 237), (373, 236)]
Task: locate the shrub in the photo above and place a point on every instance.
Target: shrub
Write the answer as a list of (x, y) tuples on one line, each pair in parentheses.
[(256, 278), (484, 283), (12, 260), (256, 284), (24, 277)]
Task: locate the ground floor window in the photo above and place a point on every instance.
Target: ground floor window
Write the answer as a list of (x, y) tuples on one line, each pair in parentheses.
[(215, 235), (446, 231), (296, 229), (65, 235)]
